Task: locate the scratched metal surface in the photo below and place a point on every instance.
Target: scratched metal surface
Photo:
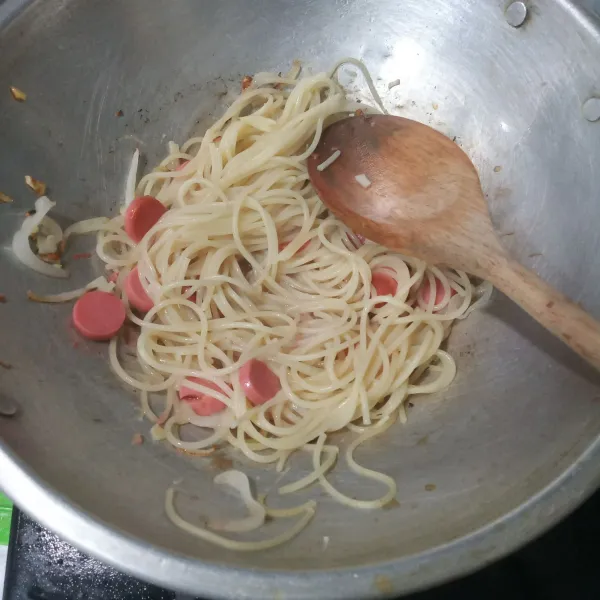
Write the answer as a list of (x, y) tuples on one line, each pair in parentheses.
[(510, 448)]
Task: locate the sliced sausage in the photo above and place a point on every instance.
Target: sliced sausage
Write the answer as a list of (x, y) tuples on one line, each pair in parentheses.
[(98, 315), (439, 291), (259, 383), (203, 405), (141, 215), (385, 283), (136, 294)]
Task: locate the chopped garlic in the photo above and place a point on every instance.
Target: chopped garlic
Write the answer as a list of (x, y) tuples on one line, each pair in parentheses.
[(39, 187), (17, 94), (363, 180)]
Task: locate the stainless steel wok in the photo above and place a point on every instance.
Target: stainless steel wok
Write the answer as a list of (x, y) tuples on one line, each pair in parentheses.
[(509, 449)]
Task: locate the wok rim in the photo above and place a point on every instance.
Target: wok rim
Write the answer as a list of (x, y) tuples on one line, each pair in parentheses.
[(408, 574)]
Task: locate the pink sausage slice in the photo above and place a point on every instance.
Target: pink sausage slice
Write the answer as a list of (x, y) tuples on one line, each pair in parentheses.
[(385, 283), (183, 165), (439, 291), (203, 405), (259, 383), (136, 294), (98, 315), (141, 215)]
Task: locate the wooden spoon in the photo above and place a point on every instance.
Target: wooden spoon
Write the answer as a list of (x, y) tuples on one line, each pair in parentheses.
[(424, 198)]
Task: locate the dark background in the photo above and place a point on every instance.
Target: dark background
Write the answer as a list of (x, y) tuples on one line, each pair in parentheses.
[(563, 564)]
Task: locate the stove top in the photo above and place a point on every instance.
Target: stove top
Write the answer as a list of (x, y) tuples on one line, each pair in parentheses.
[(563, 564)]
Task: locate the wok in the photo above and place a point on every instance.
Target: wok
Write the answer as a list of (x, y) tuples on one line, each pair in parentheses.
[(508, 450)]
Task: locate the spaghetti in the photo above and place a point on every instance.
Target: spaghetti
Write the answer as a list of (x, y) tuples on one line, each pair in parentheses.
[(247, 265)]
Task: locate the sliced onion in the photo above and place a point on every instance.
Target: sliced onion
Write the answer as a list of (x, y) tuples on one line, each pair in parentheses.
[(51, 227), (98, 284), (132, 178), (49, 236), (48, 244), (242, 546), (22, 248), (87, 226), (257, 512)]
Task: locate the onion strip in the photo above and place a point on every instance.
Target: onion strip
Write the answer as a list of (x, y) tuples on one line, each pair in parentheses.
[(229, 544), (22, 248), (131, 178), (240, 483), (98, 284)]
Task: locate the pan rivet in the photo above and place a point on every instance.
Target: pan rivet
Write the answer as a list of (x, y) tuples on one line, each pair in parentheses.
[(591, 109), (515, 14)]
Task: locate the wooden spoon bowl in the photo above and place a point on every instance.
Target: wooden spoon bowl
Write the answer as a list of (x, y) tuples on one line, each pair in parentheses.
[(421, 195)]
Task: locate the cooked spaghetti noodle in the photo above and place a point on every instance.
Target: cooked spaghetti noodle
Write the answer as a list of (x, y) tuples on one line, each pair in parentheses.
[(248, 264)]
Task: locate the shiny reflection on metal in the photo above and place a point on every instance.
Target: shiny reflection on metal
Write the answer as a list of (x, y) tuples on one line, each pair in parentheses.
[(591, 109), (515, 14), (512, 445), (7, 408)]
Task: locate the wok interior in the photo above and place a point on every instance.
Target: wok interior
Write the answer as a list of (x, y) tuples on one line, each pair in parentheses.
[(522, 408)]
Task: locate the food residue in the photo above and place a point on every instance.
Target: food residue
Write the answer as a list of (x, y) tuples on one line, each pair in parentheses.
[(363, 180), (246, 82), (4, 199), (119, 113), (137, 439), (429, 487), (435, 105), (50, 257), (383, 584), (39, 187), (82, 255), (206, 452), (221, 463), (2, 298), (18, 94), (5, 365), (157, 433), (497, 169), (393, 84)]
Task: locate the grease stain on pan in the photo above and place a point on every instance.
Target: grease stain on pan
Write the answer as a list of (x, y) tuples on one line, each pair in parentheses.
[(383, 584)]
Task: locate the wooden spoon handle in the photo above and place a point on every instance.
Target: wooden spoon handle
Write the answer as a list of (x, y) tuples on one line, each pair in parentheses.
[(565, 319)]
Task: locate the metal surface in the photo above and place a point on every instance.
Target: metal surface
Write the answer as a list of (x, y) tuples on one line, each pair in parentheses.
[(591, 109), (510, 448)]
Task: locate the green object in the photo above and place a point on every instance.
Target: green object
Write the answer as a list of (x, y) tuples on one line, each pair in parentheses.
[(5, 516)]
